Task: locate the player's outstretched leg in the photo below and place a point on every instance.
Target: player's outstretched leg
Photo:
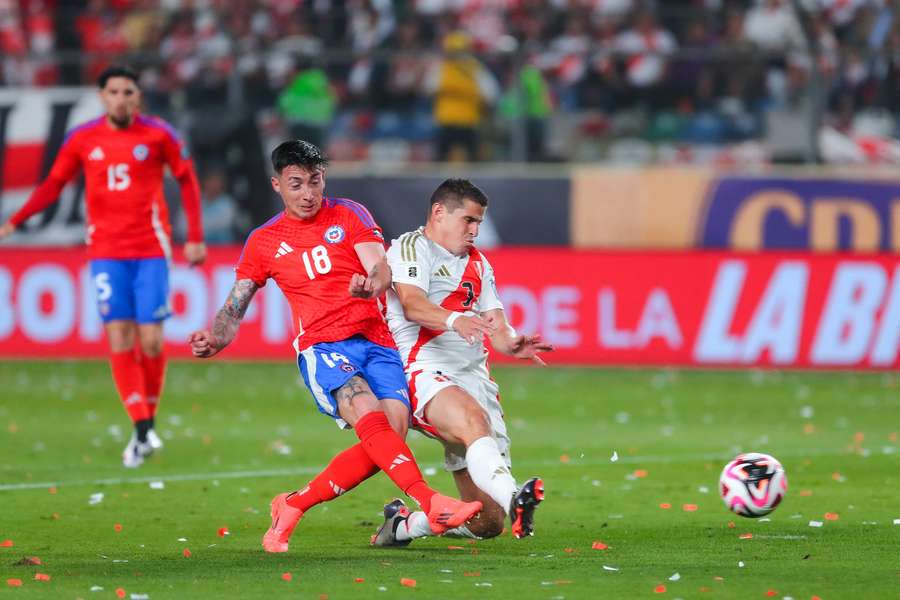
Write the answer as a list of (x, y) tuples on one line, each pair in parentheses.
[(388, 450), (521, 509), (345, 471)]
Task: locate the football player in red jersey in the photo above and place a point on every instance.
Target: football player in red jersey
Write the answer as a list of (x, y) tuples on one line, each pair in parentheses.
[(123, 155), (327, 257)]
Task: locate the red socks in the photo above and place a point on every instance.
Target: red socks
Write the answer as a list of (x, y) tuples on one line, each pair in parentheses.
[(345, 471), (129, 378), (393, 456), (154, 375)]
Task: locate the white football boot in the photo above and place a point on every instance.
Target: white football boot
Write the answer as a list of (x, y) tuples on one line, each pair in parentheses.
[(135, 452), (154, 440)]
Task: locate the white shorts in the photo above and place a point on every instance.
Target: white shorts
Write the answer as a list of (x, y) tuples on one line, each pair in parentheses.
[(424, 384)]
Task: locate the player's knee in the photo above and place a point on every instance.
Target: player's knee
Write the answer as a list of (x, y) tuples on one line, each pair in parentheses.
[(488, 524), (151, 347), (477, 422)]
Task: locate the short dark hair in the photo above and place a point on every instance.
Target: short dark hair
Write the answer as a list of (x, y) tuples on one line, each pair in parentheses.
[(452, 192), (299, 153), (117, 71)]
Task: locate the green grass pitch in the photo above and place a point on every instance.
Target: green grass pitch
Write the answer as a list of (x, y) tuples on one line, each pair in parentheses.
[(238, 433)]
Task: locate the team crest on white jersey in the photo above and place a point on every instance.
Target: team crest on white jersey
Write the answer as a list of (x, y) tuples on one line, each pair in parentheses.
[(96, 154), (334, 234), (141, 152)]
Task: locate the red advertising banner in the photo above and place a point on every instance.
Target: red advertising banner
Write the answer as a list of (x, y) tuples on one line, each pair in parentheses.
[(793, 310)]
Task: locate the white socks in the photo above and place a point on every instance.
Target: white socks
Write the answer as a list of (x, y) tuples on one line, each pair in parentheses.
[(489, 472), (416, 526)]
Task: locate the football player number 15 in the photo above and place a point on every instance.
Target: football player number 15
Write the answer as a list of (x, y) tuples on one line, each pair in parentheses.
[(117, 177), (316, 259)]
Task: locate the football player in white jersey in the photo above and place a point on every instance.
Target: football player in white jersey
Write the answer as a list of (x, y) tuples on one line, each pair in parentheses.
[(443, 304)]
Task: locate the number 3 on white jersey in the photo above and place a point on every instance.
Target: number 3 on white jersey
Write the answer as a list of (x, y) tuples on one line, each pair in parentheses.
[(320, 261), (117, 177)]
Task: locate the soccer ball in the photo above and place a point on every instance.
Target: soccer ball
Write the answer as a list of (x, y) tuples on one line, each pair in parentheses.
[(752, 484)]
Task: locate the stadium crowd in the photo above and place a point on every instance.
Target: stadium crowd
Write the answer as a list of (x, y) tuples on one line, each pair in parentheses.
[(697, 70)]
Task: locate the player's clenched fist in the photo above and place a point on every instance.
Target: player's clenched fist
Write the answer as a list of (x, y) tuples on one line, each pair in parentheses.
[(361, 286), (203, 344), (195, 253)]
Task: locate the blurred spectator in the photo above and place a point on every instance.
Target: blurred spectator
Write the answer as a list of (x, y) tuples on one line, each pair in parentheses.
[(526, 101), (463, 91), (772, 26), (645, 46), (371, 22), (102, 37), (308, 103), (222, 219)]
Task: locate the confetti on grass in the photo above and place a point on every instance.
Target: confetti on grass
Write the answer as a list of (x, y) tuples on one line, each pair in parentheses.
[(287, 576), (6, 544), (816, 523), (120, 592), (746, 536), (14, 582), (660, 589), (614, 457), (41, 577), (186, 553), (598, 545), (408, 582)]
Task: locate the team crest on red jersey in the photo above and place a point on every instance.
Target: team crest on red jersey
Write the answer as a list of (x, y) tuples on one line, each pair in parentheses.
[(334, 234), (141, 152)]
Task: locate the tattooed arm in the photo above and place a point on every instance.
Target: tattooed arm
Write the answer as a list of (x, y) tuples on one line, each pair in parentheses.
[(205, 344)]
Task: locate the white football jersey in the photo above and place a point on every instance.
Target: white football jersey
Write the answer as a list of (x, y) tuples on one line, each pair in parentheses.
[(462, 284)]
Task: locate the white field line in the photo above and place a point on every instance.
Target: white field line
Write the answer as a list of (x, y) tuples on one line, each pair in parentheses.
[(253, 474)]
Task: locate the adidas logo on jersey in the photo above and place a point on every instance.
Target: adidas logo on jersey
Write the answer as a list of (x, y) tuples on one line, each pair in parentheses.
[(399, 460), (442, 272), (283, 249), (96, 154)]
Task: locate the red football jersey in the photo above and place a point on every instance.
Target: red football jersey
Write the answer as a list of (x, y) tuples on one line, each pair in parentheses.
[(126, 212), (312, 261)]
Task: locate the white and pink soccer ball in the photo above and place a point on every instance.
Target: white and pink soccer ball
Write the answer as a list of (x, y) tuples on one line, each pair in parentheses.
[(752, 484)]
